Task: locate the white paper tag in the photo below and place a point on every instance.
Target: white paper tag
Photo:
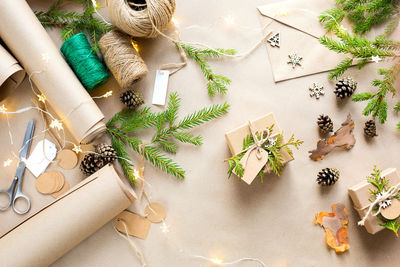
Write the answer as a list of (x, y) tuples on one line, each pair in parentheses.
[(160, 87), (38, 162)]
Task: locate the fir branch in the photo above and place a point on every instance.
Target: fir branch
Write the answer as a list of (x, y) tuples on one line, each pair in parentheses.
[(123, 125), (215, 83), (71, 22)]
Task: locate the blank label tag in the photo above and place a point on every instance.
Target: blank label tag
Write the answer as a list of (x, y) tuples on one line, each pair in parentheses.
[(160, 87), (38, 162), (136, 225)]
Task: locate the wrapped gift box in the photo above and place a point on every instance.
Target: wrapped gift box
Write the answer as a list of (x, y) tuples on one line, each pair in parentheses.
[(361, 196), (235, 137)]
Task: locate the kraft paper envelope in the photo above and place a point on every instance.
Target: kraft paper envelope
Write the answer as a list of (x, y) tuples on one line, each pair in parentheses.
[(299, 28)]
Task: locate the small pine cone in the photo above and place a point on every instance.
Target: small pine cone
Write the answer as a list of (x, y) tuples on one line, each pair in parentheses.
[(107, 152), (370, 128), (345, 87), (91, 163), (328, 176), (325, 123), (132, 99)]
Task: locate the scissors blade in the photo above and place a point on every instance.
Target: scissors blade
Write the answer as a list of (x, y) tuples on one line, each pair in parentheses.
[(27, 141)]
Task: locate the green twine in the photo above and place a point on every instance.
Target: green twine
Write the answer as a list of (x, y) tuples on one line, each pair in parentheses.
[(84, 61)]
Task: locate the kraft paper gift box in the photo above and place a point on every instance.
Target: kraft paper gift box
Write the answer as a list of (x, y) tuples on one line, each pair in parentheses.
[(298, 25), (235, 138), (361, 196)]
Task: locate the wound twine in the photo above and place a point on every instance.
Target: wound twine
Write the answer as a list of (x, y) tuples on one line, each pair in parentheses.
[(84, 61), (122, 58), (137, 18)]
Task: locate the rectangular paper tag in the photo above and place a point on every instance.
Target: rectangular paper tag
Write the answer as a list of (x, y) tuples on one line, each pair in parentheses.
[(160, 87), (37, 161)]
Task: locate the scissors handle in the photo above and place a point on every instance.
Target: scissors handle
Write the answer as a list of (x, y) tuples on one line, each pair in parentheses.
[(21, 196), (9, 193)]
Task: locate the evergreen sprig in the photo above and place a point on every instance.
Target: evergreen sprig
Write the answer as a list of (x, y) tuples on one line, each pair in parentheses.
[(124, 125), (365, 14), (274, 149), (71, 22), (216, 83), (380, 184)]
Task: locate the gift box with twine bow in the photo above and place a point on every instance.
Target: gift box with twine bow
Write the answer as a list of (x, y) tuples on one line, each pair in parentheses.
[(369, 206), (255, 157)]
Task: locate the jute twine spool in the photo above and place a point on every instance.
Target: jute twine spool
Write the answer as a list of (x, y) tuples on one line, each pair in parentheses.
[(122, 58), (137, 21), (84, 61)]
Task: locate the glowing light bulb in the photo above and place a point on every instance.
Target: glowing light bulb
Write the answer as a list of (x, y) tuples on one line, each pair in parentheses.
[(42, 98), (3, 109), (77, 149), (217, 261), (283, 12), (164, 228), (230, 20), (7, 162), (136, 174), (45, 57), (135, 45), (175, 21), (56, 124), (108, 94)]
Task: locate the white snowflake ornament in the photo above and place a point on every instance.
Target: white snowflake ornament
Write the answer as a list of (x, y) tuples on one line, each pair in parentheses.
[(385, 203), (294, 59), (317, 90), (275, 40)]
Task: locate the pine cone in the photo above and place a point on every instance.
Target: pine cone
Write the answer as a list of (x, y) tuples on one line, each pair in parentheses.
[(107, 152), (345, 87), (325, 123), (370, 128), (91, 163), (132, 99), (328, 176)]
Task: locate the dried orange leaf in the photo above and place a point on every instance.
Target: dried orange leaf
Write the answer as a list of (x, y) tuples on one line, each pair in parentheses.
[(335, 225), (342, 138)]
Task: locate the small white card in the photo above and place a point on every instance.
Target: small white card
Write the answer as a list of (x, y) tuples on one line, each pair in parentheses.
[(38, 162), (160, 87)]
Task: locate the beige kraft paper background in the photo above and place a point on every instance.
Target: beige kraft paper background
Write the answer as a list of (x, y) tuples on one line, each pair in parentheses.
[(208, 213)]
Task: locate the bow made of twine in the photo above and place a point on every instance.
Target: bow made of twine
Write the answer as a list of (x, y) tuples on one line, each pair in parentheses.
[(257, 146), (391, 192)]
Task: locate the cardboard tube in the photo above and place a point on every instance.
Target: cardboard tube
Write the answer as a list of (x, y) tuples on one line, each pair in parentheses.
[(22, 32), (11, 73), (57, 228)]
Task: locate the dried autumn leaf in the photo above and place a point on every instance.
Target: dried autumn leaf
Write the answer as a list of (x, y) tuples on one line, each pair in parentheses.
[(335, 225), (342, 138)]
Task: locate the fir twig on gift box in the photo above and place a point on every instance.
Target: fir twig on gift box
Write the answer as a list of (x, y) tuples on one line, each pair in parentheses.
[(364, 193), (258, 147)]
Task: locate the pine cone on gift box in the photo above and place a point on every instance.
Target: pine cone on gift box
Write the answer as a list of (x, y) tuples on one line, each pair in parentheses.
[(345, 87), (328, 176), (91, 163), (132, 99), (325, 123), (107, 152), (370, 128)]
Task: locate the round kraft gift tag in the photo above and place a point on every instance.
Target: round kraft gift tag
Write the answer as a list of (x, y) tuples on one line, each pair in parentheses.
[(67, 159), (64, 189), (155, 212), (50, 182), (393, 211)]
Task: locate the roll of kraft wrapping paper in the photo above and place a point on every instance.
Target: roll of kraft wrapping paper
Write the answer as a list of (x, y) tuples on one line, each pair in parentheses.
[(57, 228), (11, 73), (31, 45)]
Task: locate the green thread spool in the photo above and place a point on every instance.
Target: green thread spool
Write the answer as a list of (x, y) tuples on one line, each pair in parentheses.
[(84, 61)]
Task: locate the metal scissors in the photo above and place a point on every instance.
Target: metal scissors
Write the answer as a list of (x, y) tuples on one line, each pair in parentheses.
[(14, 192)]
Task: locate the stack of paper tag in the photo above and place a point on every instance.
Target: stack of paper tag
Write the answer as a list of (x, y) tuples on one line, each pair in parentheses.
[(52, 183)]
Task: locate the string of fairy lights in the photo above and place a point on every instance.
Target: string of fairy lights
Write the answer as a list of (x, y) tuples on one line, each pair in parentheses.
[(57, 124)]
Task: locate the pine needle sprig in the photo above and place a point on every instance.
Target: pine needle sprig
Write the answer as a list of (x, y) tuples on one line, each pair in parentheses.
[(275, 157), (215, 83), (124, 125), (71, 22)]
